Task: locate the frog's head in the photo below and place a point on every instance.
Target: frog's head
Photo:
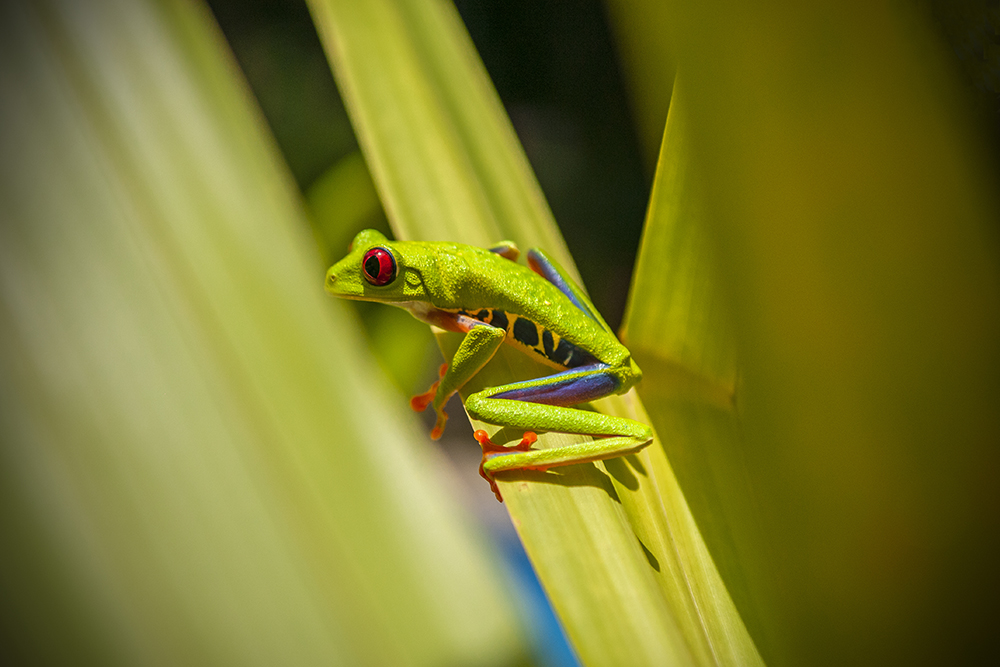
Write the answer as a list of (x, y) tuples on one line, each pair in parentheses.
[(377, 269)]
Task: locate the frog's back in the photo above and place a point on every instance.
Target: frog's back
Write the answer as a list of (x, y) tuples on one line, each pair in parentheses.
[(538, 317)]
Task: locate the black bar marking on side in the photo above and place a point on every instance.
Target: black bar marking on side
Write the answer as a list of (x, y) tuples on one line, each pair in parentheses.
[(499, 319), (548, 343), (563, 352), (526, 332)]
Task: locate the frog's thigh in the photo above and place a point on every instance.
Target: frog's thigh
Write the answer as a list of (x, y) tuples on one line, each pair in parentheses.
[(541, 404), (537, 417), (570, 387)]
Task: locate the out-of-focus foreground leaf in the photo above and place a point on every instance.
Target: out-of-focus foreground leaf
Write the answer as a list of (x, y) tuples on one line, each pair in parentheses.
[(851, 227), (199, 464), (341, 202), (614, 545)]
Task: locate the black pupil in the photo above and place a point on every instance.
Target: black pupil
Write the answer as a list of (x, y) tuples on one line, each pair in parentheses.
[(373, 266)]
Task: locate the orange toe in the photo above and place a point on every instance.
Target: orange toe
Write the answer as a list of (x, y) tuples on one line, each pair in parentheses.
[(490, 450), (420, 402), (438, 429), (527, 440)]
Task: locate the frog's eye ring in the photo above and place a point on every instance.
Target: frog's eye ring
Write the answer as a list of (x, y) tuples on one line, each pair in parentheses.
[(379, 266)]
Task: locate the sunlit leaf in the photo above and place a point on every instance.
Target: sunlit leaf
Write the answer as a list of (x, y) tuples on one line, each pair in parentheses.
[(615, 546), (677, 326)]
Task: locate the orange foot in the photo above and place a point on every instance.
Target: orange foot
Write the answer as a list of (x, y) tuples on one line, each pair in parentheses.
[(421, 401), (490, 450), (438, 429)]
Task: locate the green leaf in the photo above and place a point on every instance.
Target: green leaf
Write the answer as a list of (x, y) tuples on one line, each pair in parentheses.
[(200, 465), (848, 223), (614, 545), (678, 327)]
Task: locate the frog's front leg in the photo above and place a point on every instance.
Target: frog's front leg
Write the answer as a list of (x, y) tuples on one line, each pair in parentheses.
[(543, 405), (479, 345)]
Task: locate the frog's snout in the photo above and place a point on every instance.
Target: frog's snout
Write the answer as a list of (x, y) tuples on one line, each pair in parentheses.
[(331, 279)]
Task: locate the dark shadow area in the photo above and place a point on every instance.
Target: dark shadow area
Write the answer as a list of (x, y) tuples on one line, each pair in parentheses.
[(653, 563), (618, 469), (578, 474), (634, 461)]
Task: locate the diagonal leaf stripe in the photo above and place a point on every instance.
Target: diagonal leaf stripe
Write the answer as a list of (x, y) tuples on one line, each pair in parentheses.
[(614, 545)]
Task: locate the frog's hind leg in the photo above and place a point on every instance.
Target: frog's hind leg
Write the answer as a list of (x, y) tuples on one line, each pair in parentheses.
[(570, 387), (543, 404), (548, 268)]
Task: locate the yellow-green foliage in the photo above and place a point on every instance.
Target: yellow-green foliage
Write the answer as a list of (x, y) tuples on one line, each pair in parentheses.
[(200, 462)]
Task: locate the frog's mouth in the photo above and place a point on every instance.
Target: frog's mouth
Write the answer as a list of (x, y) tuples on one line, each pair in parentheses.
[(346, 285), (341, 284), (337, 287)]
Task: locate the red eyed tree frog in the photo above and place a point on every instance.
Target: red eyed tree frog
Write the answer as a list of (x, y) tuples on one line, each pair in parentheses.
[(492, 299)]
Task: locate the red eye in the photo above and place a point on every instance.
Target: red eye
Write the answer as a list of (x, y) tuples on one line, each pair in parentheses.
[(379, 267)]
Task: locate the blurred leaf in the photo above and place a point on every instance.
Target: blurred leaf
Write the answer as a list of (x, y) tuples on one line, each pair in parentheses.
[(614, 545), (198, 463), (854, 223), (342, 202)]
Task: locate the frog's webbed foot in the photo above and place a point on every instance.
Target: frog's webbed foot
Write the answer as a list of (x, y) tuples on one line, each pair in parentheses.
[(420, 402), (491, 450)]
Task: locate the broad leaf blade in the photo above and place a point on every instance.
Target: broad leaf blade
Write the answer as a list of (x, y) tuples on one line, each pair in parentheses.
[(853, 224), (677, 326), (187, 420), (447, 166)]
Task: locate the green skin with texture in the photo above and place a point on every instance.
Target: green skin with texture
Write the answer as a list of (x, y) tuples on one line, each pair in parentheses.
[(491, 298)]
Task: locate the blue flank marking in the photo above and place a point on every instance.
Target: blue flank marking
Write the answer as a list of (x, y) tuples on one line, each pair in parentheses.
[(550, 274), (578, 385)]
